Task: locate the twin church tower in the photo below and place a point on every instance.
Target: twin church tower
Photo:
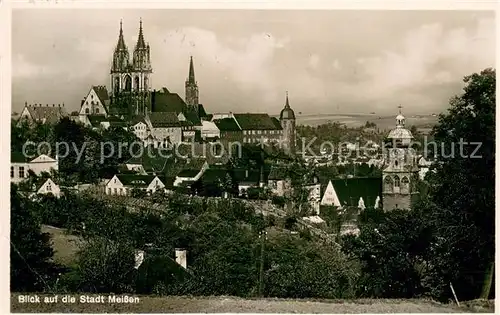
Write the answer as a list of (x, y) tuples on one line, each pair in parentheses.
[(131, 79)]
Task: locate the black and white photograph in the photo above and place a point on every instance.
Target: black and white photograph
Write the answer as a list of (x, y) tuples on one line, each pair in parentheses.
[(170, 160)]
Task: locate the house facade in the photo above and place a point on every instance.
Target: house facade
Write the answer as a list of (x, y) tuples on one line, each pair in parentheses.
[(21, 164)]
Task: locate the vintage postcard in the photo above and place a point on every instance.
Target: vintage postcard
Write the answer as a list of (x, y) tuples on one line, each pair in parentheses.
[(251, 160)]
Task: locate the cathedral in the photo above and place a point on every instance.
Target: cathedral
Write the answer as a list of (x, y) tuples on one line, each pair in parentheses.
[(160, 116), (131, 79), (400, 170)]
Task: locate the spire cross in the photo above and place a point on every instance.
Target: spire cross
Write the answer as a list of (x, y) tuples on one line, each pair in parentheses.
[(400, 108)]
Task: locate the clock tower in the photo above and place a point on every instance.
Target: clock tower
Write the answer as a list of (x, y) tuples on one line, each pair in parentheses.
[(400, 171)]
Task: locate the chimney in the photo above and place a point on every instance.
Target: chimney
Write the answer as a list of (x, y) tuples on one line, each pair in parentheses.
[(53, 105), (25, 103), (181, 257), (63, 104)]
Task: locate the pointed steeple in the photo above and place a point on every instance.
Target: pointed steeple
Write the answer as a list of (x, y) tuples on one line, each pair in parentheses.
[(120, 56), (191, 78), (121, 43), (287, 103), (140, 39)]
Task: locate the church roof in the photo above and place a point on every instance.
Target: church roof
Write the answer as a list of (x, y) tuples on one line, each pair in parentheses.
[(164, 101), (287, 111), (400, 133), (252, 121)]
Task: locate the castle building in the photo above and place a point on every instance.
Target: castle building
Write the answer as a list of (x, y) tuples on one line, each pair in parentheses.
[(287, 121), (400, 171), (131, 79)]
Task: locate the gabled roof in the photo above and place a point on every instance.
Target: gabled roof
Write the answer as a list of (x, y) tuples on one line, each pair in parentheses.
[(255, 122), (351, 189), (188, 173), (40, 182), (49, 114), (135, 180), (137, 119), (226, 124), (201, 111), (164, 101), (277, 123), (192, 117), (164, 119), (102, 93)]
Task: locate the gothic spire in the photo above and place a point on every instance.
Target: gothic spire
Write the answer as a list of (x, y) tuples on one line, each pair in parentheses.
[(140, 40), (287, 104), (191, 72), (121, 43)]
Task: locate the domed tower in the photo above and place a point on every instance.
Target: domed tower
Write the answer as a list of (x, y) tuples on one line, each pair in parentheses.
[(287, 120), (400, 171), (120, 66)]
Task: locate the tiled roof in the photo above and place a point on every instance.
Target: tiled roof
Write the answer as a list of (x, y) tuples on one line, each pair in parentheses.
[(201, 111), (188, 173), (135, 180), (102, 93), (49, 114), (192, 117), (276, 123), (164, 101), (226, 124), (137, 119), (349, 190), (255, 122), (164, 119)]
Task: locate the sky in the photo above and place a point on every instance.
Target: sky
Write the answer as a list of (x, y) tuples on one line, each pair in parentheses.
[(329, 61)]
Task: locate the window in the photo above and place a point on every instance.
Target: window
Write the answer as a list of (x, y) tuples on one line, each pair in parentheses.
[(396, 163), (21, 171), (115, 181), (12, 172), (121, 191), (87, 111), (92, 97), (116, 191), (49, 187), (396, 181), (97, 110), (109, 191)]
